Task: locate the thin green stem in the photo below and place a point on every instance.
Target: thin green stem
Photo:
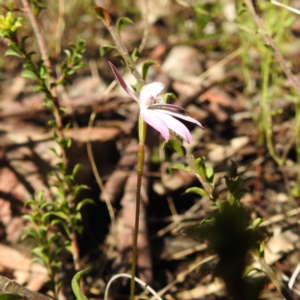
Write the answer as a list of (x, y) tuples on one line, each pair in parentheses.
[(106, 20), (124, 52), (52, 91), (207, 186), (140, 167), (295, 83), (266, 109)]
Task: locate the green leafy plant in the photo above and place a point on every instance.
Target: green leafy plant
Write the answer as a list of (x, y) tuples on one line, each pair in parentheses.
[(268, 32), (55, 219), (229, 231), (55, 223)]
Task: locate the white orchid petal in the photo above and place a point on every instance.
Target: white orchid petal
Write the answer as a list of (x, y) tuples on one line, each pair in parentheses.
[(154, 120), (169, 107), (175, 126), (158, 115), (122, 83), (149, 92), (180, 116)]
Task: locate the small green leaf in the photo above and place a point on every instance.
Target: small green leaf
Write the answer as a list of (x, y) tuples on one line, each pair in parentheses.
[(14, 46), (61, 193), (29, 74), (199, 165), (11, 52), (53, 256), (29, 67), (40, 195), (43, 231), (31, 232), (210, 174), (240, 192), (84, 203), (181, 167), (79, 229), (31, 53), (68, 52), (29, 218), (105, 49), (62, 111), (174, 145), (41, 253), (76, 285), (256, 223), (54, 151), (242, 9), (57, 222), (120, 57), (50, 106), (51, 204), (233, 169), (135, 54), (75, 220), (69, 180), (168, 96), (39, 260), (53, 84), (79, 189), (76, 169), (70, 72), (121, 22), (39, 88), (58, 214), (23, 40), (250, 268), (53, 237), (66, 228), (103, 14), (29, 202), (62, 167), (229, 183), (198, 191), (262, 248), (68, 143), (25, 236), (146, 67)]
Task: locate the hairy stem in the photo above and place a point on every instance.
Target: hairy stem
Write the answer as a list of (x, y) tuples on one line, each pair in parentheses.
[(271, 43), (207, 186), (140, 166), (266, 109), (45, 57), (39, 36), (295, 83), (56, 111), (123, 51), (106, 20)]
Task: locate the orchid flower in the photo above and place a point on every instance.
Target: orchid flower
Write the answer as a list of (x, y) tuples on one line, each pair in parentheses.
[(157, 114)]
